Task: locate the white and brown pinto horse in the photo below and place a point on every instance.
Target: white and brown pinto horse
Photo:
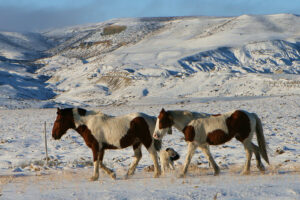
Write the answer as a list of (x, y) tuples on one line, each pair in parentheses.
[(215, 130), (101, 132)]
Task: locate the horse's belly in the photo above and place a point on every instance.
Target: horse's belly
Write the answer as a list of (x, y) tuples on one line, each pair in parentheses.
[(114, 137), (217, 137), (212, 131)]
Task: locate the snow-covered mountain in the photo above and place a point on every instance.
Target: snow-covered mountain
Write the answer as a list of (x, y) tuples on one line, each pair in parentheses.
[(151, 59)]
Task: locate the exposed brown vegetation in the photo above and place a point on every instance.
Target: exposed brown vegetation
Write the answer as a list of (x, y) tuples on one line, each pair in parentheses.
[(113, 29), (116, 80), (107, 43)]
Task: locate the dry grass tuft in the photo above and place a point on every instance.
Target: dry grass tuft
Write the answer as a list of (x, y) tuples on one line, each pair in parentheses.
[(113, 29), (149, 168)]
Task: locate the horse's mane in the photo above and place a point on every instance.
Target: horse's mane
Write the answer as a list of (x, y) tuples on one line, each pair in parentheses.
[(186, 113), (180, 112), (186, 116), (96, 112), (200, 115)]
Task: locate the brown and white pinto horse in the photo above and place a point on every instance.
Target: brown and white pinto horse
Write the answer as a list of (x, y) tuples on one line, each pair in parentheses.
[(214, 130), (101, 132)]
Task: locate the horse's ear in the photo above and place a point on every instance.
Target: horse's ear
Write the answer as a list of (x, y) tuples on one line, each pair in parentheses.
[(163, 110), (170, 117), (58, 111), (81, 111), (170, 131)]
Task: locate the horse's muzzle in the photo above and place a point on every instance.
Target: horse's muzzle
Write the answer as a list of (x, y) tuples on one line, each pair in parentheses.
[(56, 136), (156, 136)]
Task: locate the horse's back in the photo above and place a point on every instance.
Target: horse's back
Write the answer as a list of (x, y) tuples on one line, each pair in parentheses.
[(123, 122), (200, 115), (150, 120), (211, 122), (237, 118)]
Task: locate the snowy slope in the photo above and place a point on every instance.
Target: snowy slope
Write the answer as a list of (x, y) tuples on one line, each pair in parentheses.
[(128, 60), (19, 86), (22, 45), (153, 55)]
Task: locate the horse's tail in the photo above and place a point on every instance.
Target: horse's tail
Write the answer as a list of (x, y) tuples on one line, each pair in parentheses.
[(261, 139), (157, 144)]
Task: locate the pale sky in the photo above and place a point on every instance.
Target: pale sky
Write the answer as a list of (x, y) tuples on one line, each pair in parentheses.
[(35, 15)]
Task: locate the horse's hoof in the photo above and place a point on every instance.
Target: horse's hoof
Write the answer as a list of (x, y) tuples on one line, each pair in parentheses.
[(125, 177), (217, 173), (156, 175), (245, 173), (113, 176), (94, 178), (262, 172), (129, 173), (181, 176), (261, 168)]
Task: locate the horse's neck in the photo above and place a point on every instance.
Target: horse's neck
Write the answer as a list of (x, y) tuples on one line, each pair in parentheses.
[(105, 116), (181, 119), (83, 120)]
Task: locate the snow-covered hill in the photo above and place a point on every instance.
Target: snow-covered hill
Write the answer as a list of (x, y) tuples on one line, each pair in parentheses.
[(132, 60)]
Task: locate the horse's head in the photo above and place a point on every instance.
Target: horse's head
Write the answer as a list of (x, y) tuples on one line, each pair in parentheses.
[(163, 125), (63, 122)]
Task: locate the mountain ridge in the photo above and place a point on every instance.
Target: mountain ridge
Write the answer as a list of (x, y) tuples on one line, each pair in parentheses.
[(116, 61)]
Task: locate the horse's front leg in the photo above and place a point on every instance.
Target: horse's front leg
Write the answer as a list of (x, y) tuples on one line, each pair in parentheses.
[(153, 154), (191, 150), (96, 156), (206, 151), (106, 169)]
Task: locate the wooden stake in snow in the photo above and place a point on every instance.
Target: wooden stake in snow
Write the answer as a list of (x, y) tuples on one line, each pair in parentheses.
[(46, 143)]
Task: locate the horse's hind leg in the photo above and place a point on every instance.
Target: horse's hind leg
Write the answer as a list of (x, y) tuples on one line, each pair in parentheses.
[(249, 149), (259, 164), (206, 151), (102, 166), (137, 158), (191, 150)]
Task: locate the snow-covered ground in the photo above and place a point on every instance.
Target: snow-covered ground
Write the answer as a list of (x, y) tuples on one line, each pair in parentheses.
[(24, 175), (73, 185)]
